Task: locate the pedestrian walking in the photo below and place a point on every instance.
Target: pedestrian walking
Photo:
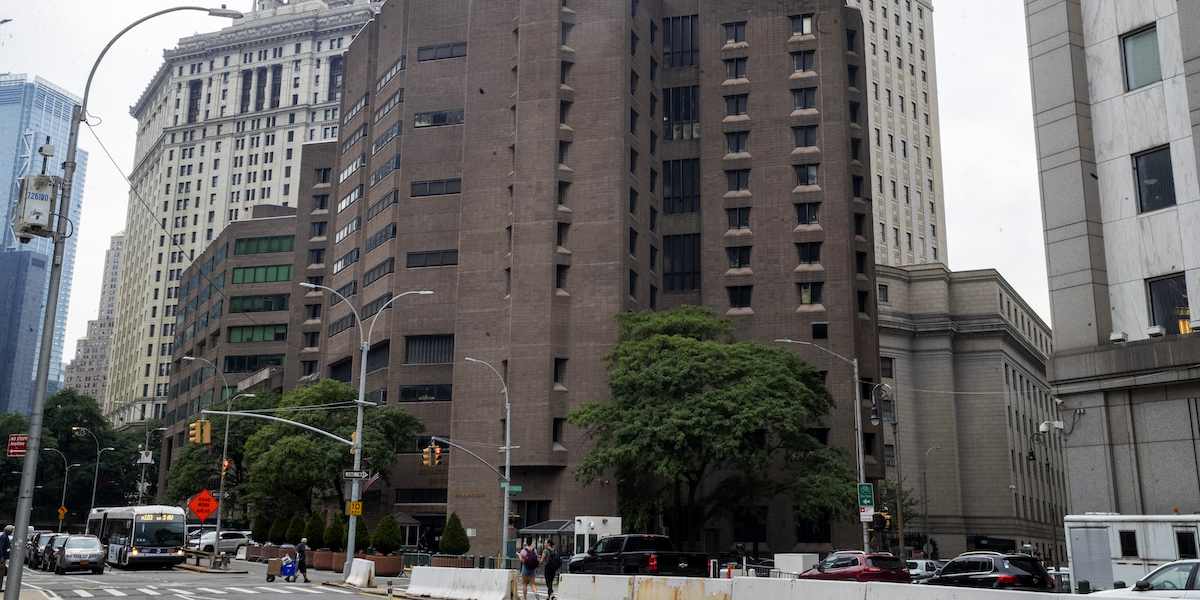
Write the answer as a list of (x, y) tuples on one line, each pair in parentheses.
[(5, 547), (302, 558), (529, 564), (552, 562)]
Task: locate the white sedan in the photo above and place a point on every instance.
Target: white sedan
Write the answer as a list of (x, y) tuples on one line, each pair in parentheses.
[(1174, 580)]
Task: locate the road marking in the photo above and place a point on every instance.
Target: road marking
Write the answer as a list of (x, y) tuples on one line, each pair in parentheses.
[(243, 590), (304, 589), (182, 592), (275, 590), (149, 592), (334, 589), (114, 592), (211, 591), (82, 593), (77, 578)]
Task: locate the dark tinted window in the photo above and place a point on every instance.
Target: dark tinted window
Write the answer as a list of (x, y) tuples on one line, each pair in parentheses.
[(887, 562), (1020, 565), (1129, 545), (1186, 540), (979, 565), (955, 567), (649, 544)]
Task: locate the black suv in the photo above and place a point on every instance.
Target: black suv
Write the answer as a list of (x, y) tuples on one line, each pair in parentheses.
[(994, 570)]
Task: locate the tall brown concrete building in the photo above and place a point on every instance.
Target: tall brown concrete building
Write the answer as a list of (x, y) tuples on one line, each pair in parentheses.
[(88, 372), (542, 165)]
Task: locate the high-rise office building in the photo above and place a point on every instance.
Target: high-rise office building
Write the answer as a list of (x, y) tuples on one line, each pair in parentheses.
[(220, 128), (542, 166), (32, 110), (906, 148), (88, 372), (1114, 99)]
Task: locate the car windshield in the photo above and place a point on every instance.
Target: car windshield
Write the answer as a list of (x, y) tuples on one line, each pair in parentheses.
[(887, 562), (158, 533), (89, 543), (913, 565)]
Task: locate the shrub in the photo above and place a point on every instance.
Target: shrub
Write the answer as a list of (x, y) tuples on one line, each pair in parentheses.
[(262, 528), (335, 534), (454, 538), (279, 529), (362, 538), (295, 530), (386, 538), (315, 531)]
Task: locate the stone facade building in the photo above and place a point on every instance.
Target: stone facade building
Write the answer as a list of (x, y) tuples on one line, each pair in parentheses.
[(1114, 100), (965, 358), (88, 372)]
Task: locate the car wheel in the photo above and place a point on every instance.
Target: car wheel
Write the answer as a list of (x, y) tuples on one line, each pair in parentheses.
[(99, 571), (208, 548)]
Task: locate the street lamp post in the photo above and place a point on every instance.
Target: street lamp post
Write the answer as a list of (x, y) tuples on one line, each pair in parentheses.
[(99, 451), (42, 377), (1041, 438), (224, 450), (507, 457), (858, 433), (884, 392), (364, 344), (925, 492), (142, 481), (66, 471)]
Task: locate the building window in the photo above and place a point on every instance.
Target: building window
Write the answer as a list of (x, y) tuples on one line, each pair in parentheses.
[(820, 331), (735, 68), (802, 25), (801, 61), (864, 302), (737, 141), (739, 179), (806, 136), (739, 257), (889, 455), (806, 174), (429, 349), (807, 213), (735, 32), (1155, 179), (739, 218), (736, 105), (443, 51), (887, 367), (1142, 65), (438, 118), (1169, 304), (739, 296), (437, 187), (681, 186), (805, 98), (436, 258), (1129, 545), (681, 112), (810, 253), (681, 262), (681, 41), (810, 293), (883, 293)]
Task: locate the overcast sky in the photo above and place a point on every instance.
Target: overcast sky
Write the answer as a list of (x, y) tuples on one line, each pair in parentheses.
[(992, 205)]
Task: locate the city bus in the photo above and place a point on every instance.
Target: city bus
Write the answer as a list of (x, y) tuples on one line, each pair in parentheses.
[(140, 535)]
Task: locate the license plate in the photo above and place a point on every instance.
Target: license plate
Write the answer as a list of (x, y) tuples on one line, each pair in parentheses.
[(83, 562)]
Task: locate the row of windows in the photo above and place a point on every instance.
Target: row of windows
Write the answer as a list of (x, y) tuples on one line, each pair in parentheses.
[(257, 333), (264, 274), (264, 303), (264, 245)]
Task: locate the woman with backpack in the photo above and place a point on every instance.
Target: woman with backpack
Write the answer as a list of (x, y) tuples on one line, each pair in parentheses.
[(529, 563), (553, 563)]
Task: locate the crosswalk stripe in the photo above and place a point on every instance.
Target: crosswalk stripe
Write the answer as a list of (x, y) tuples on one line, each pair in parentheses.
[(181, 592), (304, 589), (243, 590), (278, 590), (149, 592), (330, 588), (113, 592), (82, 593), (211, 591)]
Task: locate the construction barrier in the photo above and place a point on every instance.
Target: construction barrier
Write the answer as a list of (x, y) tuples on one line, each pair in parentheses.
[(362, 573), (463, 584)]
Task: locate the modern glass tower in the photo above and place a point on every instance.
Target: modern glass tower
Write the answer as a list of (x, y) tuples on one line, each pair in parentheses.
[(31, 110)]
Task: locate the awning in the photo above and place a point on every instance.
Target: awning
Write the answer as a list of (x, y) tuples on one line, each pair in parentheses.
[(404, 520), (549, 528)]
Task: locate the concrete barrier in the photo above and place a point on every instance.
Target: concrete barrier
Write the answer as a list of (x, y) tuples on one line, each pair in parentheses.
[(682, 588), (595, 587), (362, 573), (463, 584)]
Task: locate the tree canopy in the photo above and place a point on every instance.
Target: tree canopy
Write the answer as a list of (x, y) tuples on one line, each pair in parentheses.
[(706, 426)]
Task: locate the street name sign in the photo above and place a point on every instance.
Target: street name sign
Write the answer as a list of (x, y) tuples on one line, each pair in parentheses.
[(356, 474), (866, 502)]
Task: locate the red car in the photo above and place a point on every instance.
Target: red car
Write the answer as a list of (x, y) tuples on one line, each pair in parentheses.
[(857, 566)]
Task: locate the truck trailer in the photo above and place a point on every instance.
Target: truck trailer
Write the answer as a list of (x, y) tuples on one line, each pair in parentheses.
[(1108, 547)]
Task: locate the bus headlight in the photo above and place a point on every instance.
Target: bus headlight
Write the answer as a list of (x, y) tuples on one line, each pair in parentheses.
[(133, 552)]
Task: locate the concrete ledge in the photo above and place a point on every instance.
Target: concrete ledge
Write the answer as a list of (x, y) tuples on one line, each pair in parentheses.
[(202, 569)]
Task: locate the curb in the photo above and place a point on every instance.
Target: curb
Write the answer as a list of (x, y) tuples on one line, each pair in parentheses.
[(375, 591), (206, 570)]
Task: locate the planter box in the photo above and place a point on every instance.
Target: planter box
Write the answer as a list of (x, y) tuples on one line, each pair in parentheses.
[(322, 561), (269, 552), (254, 553), (452, 561), (387, 566), (338, 561)]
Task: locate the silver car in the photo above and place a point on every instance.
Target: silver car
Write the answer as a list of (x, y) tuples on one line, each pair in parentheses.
[(80, 553)]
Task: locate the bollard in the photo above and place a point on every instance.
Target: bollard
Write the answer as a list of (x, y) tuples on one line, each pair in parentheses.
[(1085, 586), (729, 572), (389, 589)]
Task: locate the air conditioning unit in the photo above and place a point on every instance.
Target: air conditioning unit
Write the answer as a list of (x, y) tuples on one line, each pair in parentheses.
[(1118, 337), (1156, 331)]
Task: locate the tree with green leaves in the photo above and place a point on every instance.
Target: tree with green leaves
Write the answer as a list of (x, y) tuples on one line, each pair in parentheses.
[(886, 491), (293, 468), (707, 427), (362, 537), (296, 529), (315, 530), (387, 536), (454, 537), (279, 529), (262, 528), (335, 534)]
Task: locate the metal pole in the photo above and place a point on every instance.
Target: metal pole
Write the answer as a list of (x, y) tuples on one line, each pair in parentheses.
[(96, 476), (42, 376), (899, 486), (925, 492), (507, 463), (224, 451)]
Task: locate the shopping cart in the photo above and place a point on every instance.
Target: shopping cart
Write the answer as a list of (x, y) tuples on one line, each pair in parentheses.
[(281, 567)]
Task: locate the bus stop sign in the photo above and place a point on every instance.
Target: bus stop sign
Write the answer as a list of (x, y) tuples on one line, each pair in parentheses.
[(203, 505)]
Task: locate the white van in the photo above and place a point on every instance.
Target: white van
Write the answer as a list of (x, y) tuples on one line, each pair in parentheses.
[(1107, 547)]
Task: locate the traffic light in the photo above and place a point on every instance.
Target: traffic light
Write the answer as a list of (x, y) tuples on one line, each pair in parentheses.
[(878, 522), (224, 468), (195, 429), (353, 441), (437, 455), (426, 456), (205, 430), (887, 522)]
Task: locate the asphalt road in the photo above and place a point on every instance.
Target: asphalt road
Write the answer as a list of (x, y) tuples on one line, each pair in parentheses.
[(178, 584)]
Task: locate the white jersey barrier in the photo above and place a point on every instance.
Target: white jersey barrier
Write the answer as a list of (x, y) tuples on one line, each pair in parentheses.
[(463, 584)]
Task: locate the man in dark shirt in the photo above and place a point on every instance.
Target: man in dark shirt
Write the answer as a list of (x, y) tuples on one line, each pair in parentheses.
[(5, 548), (302, 558)]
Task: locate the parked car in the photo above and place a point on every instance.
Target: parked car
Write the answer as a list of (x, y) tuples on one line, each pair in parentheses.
[(922, 568), (37, 554), (639, 554), (231, 541), (50, 555), (1173, 580), (859, 566), (994, 570), (30, 538), (80, 553)]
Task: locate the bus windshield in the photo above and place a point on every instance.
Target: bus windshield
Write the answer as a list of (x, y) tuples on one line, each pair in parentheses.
[(158, 530)]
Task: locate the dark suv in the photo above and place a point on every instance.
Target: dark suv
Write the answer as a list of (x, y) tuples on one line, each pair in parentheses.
[(996, 571), (857, 566)]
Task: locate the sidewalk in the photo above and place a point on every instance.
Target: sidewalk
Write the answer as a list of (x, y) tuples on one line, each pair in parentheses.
[(378, 590)]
